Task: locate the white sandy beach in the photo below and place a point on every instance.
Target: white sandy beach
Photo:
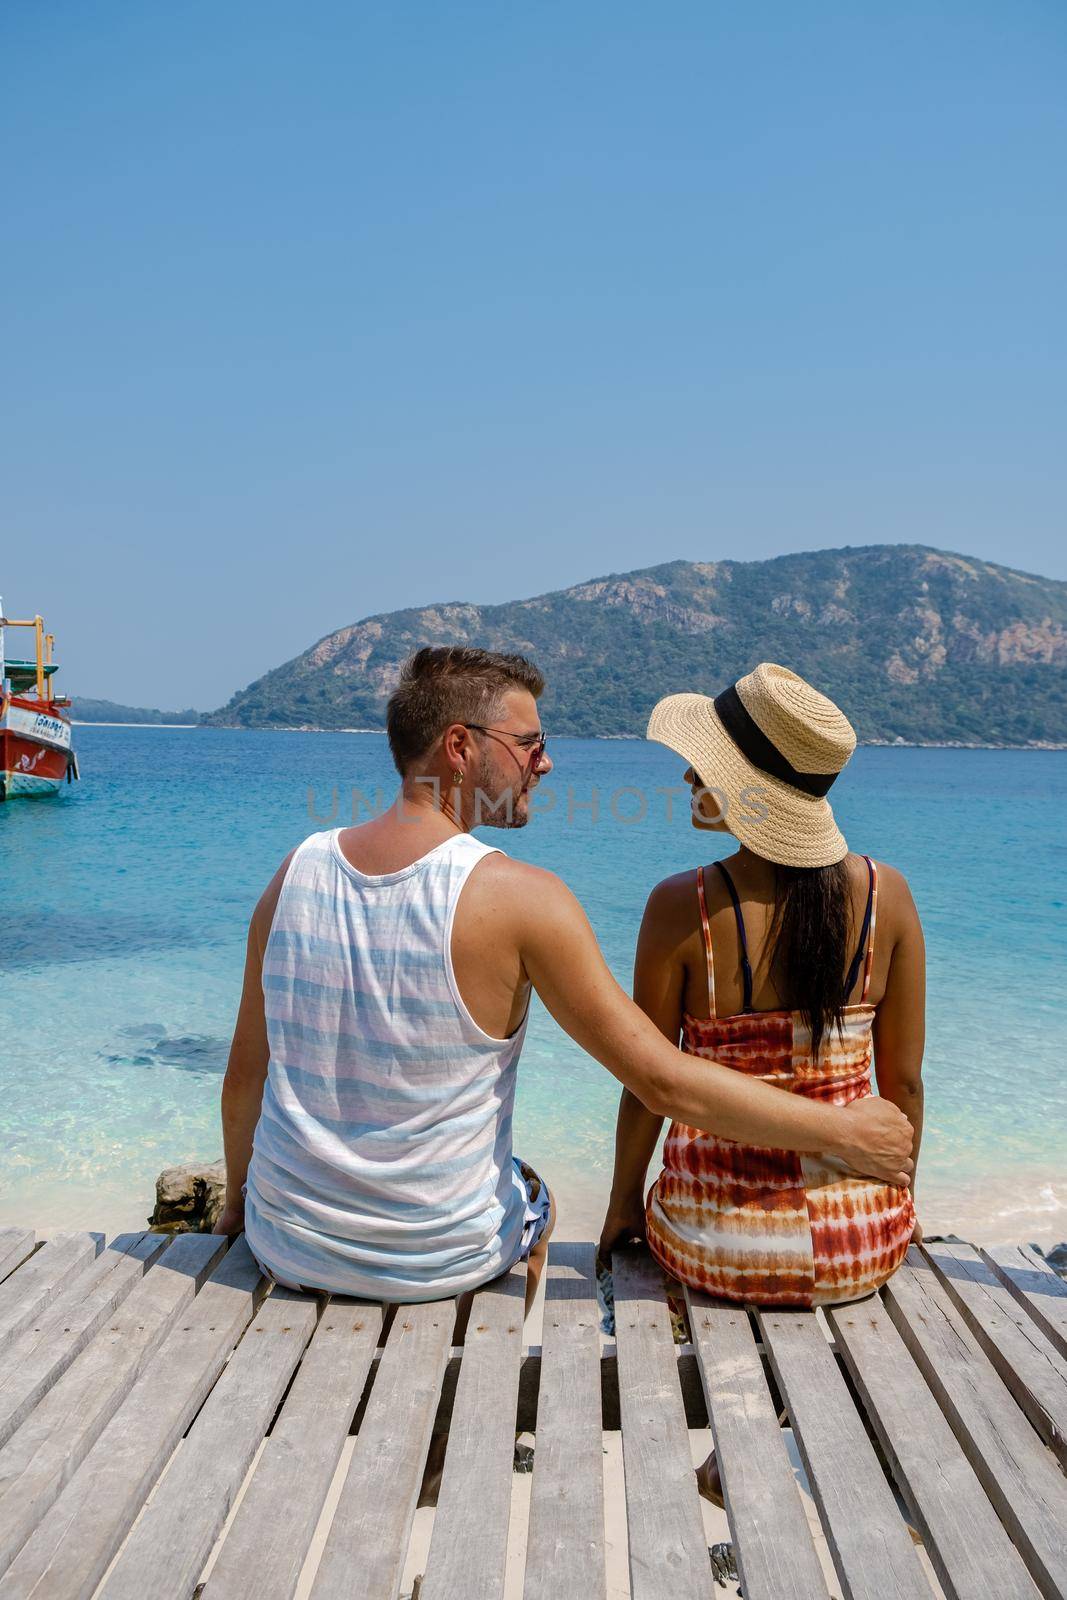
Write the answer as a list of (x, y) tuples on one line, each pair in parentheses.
[(1028, 1208)]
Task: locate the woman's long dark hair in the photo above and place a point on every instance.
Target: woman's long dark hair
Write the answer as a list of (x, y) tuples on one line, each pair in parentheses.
[(809, 938)]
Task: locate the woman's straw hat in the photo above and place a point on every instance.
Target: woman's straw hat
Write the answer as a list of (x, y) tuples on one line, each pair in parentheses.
[(770, 746)]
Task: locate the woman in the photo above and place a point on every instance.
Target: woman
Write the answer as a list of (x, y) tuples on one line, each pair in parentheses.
[(793, 961)]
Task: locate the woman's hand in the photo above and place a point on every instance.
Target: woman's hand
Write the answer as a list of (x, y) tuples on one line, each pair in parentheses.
[(622, 1224)]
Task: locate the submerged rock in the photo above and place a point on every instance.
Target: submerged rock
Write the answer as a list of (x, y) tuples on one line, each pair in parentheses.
[(189, 1199)]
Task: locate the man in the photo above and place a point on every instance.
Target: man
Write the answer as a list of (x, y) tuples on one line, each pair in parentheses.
[(368, 1097)]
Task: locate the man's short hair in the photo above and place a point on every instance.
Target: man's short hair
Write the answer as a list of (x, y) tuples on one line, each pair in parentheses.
[(443, 684)]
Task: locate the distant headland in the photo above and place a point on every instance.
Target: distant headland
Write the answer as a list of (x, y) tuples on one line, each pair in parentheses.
[(918, 645), (110, 711)]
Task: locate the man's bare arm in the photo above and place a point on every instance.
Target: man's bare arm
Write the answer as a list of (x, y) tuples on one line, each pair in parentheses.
[(564, 963), (246, 1071)]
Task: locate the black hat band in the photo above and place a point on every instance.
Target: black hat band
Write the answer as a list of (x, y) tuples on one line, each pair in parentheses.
[(752, 742)]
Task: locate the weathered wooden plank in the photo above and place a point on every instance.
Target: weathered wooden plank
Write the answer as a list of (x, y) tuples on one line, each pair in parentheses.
[(1017, 1472), (565, 1545), (16, 1244), (69, 1551), (773, 1545), (868, 1538), (46, 1274), (372, 1524), (268, 1541), (668, 1550), (43, 1352), (166, 1552), (964, 1538), (696, 1412), (1038, 1289), (71, 1291), (1028, 1363), (469, 1544), (42, 1455)]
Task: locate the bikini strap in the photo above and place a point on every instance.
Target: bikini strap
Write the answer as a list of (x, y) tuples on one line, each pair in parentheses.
[(866, 943), (706, 928), (746, 969)]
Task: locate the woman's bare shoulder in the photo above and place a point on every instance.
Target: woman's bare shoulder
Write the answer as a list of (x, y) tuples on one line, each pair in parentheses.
[(891, 881), (896, 907), (671, 920), (673, 899)]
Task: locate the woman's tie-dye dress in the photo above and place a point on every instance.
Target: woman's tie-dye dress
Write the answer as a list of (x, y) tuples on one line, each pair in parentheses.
[(765, 1226)]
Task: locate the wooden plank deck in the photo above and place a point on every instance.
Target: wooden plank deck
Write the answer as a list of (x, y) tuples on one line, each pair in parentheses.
[(15, 1245), (468, 1550), (1033, 1368), (373, 1520), (1037, 1288), (166, 1423), (54, 1438), (566, 1530), (44, 1276), (775, 1550), (271, 1534), (33, 1361), (873, 1552), (668, 1550)]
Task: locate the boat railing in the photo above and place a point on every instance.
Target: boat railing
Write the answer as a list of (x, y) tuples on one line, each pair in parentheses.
[(44, 645)]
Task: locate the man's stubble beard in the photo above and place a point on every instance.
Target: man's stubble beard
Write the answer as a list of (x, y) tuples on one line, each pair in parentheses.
[(506, 816)]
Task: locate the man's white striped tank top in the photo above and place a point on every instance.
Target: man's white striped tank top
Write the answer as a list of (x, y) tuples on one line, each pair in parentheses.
[(382, 1159)]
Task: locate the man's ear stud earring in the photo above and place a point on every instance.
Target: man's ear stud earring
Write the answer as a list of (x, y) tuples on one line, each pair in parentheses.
[(457, 778)]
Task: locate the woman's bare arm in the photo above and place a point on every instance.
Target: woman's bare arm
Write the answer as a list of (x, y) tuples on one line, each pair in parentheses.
[(659, 990), (900, 1020)]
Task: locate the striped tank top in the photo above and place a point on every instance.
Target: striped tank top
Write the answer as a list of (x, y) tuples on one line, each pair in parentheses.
[(382, 1159), (773, 1227)]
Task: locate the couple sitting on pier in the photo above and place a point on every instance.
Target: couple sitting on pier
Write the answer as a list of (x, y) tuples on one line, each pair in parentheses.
[(367, 1106)]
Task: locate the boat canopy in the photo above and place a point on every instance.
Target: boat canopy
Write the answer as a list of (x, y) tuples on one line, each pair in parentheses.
[(23, 674)]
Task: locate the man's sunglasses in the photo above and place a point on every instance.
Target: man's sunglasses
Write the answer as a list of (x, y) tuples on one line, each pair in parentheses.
[(532, 744)]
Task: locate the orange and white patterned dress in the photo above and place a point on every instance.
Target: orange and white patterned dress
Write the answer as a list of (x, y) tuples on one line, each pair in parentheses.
[(773, 1227)]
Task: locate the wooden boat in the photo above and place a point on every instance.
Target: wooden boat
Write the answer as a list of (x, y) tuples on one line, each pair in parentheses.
[(35, 737)]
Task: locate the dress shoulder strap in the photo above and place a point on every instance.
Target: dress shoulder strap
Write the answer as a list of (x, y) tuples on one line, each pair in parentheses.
[(746, 969), (865, 948), (869, 965), (705, 926)]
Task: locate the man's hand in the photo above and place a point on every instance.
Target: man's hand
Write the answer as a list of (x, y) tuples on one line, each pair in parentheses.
[(231, 1221), (876, 1140)]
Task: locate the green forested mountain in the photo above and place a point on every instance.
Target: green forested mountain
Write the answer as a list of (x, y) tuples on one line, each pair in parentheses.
[(915, 644)]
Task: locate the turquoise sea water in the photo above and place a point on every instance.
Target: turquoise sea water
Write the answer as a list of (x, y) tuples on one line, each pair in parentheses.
[(125, 905)]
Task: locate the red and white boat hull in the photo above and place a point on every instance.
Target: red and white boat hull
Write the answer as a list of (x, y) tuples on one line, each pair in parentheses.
[(35, 753)]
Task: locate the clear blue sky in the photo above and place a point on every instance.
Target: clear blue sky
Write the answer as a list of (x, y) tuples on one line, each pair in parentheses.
[(317, 310)]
